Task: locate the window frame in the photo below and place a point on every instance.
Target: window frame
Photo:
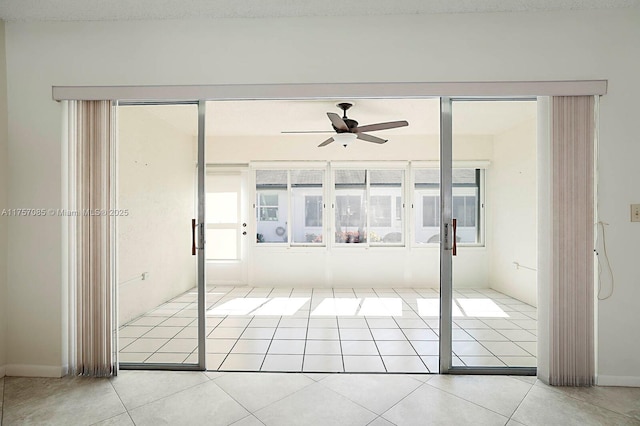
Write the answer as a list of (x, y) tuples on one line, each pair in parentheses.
[(368, 166), (408, 201), (288, 167)]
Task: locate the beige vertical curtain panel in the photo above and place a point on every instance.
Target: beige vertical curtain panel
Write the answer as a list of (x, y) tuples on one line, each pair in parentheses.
[(572, 288), (90, 130)]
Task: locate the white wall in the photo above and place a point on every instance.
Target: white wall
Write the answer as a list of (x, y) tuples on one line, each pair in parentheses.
[(4, 186), (156, 176), (511, 200), (559, 45)]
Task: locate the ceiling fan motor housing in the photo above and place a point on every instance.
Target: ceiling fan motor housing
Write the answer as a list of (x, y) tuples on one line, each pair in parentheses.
[(351, 124)]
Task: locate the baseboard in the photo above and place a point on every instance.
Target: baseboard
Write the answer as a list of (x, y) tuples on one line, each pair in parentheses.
[(27, 370), (2, 371), (627, 381)]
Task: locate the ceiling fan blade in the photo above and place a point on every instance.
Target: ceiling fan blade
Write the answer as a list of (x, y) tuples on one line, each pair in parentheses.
[(370, 138), (337, 122), (381, 126), (327, 142)]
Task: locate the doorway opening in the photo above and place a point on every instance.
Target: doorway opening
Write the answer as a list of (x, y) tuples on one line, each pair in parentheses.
[(326, 259)]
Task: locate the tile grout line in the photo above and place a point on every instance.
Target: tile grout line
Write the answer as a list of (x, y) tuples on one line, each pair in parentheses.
[(225, 317), (237, 339), (521, 401), (158, 325), (306, 335), (126, 410), (208, 380), (466, 400), (584, 401), (264, 358), (344, 370), (272, 336), (375, 342), (349, 399), (404, 334), (274, 402), (403, 398), (380, 417)]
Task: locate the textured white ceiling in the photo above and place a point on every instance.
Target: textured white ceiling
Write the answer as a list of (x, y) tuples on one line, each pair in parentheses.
[(98, 10)]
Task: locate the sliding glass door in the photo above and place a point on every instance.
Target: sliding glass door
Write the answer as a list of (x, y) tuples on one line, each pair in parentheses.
[(160, 238), (488, 248)]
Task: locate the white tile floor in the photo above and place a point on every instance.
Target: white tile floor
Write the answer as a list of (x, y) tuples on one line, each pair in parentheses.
[(254, 399), (333, 330)]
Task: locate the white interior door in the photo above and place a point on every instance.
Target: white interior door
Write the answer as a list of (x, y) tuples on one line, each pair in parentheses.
[(226, 227)]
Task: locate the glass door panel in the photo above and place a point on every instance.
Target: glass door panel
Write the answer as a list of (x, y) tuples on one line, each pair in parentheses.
[(157, 271), (493, 203)]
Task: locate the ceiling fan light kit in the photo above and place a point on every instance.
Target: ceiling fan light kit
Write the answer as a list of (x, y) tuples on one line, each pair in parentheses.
[(345, 139)]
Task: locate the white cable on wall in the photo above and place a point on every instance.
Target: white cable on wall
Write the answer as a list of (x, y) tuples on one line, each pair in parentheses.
[(606, 262), (600, 224)]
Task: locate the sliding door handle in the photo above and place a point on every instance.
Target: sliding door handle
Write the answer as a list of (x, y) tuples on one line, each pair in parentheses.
[(193, 237), (454, 248)]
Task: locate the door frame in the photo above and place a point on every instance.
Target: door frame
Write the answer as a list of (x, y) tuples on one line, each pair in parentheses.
[(242, 170), (201, 93), (447, 244), (198, 243)]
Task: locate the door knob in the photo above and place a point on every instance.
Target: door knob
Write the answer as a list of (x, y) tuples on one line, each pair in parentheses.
[(244, 232)]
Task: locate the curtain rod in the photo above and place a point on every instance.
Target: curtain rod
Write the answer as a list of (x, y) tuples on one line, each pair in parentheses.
[(229, 92)]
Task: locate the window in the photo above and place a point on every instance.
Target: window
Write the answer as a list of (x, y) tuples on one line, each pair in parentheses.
[(271, 206), (466, 205), (368, 206), (307, 205), (299, 193), (380, 220), (268, 207), (430, 211), (380, 210), (350, 209), (313, 211), (385, 215)]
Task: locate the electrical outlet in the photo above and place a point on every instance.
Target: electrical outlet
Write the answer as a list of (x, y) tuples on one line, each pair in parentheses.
[(635, 212)]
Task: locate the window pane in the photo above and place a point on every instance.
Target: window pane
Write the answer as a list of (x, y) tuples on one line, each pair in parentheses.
[(465, 204), (426, 198), (430, 211), (385, 219), (350, 209), (458, 210), (470, 211), (222, 207), (465, 209), (307, 206), (222, 244), (271, 206)]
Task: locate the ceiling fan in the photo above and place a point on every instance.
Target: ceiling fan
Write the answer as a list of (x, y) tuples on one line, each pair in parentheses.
[(348, 130)]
